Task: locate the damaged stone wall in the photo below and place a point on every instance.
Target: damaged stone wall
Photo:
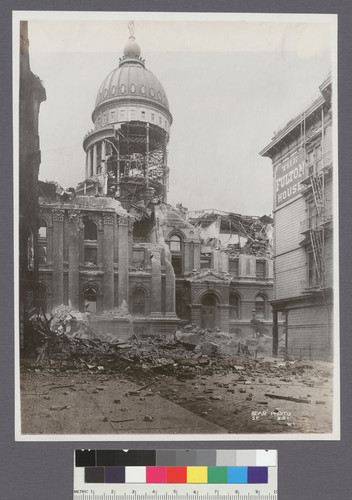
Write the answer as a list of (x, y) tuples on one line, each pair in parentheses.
[(236, 234)]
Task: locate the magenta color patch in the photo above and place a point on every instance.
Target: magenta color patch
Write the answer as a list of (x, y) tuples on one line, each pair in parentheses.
[(156, 475)]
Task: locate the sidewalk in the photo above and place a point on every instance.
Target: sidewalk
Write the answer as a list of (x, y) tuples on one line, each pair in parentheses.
[(82, 404)]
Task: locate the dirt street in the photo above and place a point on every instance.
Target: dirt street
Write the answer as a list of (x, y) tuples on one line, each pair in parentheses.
[(236, 394)]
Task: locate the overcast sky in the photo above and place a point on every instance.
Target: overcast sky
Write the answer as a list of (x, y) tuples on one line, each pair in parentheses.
[(230, 85)]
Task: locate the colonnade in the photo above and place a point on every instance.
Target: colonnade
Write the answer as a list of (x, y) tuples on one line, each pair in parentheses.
[(92, 159)]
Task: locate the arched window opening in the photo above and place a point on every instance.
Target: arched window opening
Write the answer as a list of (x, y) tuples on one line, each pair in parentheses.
[(90, 300), (90, 230), (42, 242), (90, 243), (234, 303), (260, 305), (175, 243), (176, 254), (209, 316), (42, 229), (138, 302)]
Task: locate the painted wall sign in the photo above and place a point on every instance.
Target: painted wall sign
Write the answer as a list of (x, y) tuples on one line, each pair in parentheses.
[(289, 175)]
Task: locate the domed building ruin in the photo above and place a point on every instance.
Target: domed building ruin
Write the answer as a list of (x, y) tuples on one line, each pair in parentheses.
[(115, 248)]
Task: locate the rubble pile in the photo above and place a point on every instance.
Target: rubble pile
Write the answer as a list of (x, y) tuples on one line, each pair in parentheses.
[(67, 340)]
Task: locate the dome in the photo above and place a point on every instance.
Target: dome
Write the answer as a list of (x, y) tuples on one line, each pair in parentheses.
[(133, 81)]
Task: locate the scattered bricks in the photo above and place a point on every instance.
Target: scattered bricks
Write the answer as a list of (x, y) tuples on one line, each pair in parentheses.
[(105, 419), (288, 398), (117, 401), (58, 408), (231, 390), (100, 388), (124, 408), (148, 418), (243, 390), (249, 398), (47, 398), (141, 399), (262, 402), (216, 398)]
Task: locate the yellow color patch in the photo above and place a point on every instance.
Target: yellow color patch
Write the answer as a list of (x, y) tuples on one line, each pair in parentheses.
[(197, 474)]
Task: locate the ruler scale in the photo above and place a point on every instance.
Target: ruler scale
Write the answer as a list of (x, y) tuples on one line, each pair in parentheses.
[(175, 475)]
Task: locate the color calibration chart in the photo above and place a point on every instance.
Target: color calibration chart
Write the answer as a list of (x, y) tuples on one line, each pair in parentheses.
[(175, 474)]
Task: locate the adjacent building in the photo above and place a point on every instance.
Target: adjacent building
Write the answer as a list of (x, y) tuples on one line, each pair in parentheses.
[(302, 159), (31, 95)]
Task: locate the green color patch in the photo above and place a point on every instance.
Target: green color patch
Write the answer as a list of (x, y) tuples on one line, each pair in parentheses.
[(217, 475)]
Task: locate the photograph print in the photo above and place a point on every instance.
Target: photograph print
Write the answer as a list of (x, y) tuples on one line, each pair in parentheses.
[(176, 237)]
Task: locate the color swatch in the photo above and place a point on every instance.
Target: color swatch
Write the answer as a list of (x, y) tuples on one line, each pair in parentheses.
[(176, 466), (185, 475)]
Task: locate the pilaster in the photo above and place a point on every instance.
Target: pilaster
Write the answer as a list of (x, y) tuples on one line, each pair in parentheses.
[(74, 219), (123, 259), (108, 261), (58, 269)]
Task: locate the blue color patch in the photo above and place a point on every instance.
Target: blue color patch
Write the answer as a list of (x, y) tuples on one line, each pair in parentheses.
[(237, 474)]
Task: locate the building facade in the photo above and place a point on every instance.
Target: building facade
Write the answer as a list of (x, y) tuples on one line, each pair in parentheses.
[(115, 248), (302, 160), (31, 95)]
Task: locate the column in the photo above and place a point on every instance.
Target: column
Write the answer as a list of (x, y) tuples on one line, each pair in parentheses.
[(103, 167), (89, 163), (108, 261), (103, 151), (123, 259), (95, 160), (58, 267), (170, 283), (156, 283), (73, 258), (87, 166), (275, 333)]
